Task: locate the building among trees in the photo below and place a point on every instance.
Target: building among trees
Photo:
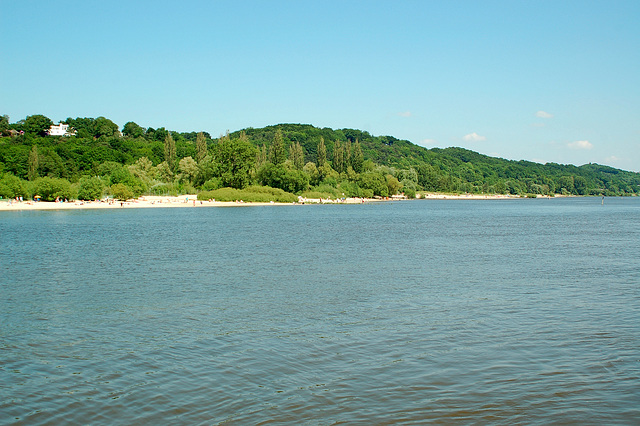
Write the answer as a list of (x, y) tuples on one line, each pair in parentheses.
[(60, 130)]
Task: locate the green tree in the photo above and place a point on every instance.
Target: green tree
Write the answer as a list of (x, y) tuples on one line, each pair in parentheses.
[(132, 130), (277, 151), (122, 192), (170, 151), (37, 125), (298, 156), (51, 188), (235, 158), (322, 153), (12, 186), (338, 157), (357, 158), (4, 125), (33, 163), (105, 127), (188, 169), (201, 147), (90, 188)]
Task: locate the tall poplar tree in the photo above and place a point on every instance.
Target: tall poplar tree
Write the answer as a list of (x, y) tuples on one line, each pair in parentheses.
[(338, 157), (322, 153), (170, 151), (357, 159), (201, 147), (34, 163), (278, 153), (297, 156)]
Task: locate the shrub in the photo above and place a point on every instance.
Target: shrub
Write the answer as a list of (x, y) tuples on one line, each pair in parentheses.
[(51, 188), (90, 188), (256, 194), (121, 191)]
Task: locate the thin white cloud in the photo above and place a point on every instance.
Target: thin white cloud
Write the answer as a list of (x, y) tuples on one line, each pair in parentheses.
[(405, 114), (543, 114), (473, 137), (612, 159), (580, 145), (428, 142)]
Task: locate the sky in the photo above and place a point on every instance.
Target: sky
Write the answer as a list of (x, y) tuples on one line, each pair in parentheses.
[(545, 81)]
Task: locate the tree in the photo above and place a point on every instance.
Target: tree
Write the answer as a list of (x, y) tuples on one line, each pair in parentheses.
[(277, 152), (235, 158), (170, 151), (33, 163), (322, 153), (37, 125), (357, 159), (132, 130), (188, 169), (51, 188), (120, 191), (90, 188), (105, 127), (297, 156), (338, 157), (201, 147), (4, 125)]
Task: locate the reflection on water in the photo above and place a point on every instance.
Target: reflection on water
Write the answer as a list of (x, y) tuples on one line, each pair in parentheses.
[(516, 311)]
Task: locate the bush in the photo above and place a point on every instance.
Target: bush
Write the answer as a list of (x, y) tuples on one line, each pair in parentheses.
[(121, 192), (12, 186), (90, 188), (51, 188), (166, 189), (256, 194), (212, 184)]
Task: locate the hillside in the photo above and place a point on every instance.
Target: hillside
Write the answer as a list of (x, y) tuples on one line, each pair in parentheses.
[(293, 157)]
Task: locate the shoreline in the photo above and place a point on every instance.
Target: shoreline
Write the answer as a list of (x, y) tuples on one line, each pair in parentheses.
[(191, 200)]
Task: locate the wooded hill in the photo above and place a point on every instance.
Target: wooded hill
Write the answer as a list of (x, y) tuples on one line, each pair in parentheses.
[(292, 157)]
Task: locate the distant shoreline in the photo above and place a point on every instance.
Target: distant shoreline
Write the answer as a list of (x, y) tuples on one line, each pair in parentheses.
[(192, 201)]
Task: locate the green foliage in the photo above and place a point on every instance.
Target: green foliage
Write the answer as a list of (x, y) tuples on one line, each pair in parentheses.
[(279, 176), (51, 188), (12, 186), (37, 125), (256, 194), (277, 152), (374, 182), (90, 188), (132, 130), (120, 191), (98, 149), (201, 147), (235, 159)]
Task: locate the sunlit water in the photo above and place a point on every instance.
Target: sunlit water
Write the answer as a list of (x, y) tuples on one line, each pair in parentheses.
[(502, 312)]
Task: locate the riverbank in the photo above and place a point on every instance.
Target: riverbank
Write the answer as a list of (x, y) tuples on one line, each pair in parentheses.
[(158, 201), (192, 201)]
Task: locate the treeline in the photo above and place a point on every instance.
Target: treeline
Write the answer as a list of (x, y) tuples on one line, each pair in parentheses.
[(100, 158)]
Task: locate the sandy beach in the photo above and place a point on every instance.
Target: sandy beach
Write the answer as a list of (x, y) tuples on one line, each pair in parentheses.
[(192, 201), (185, 201)]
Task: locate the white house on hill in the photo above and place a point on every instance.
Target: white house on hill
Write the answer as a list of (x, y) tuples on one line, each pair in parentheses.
[(60, 130)]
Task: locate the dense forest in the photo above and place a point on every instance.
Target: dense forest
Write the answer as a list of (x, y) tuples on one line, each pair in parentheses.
[(97, 158)]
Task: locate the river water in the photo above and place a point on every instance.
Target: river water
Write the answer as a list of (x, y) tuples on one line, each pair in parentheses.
[(446, 311)]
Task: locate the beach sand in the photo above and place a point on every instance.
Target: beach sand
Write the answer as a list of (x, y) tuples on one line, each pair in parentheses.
[(192, 201), (154, 201)]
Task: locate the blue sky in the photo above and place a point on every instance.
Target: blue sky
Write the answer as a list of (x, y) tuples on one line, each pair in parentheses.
[(536, 80)]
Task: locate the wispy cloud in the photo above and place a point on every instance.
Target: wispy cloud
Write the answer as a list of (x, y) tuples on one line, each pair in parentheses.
[(543, 114), (473, 137), (404, 114), (580, 145), (427, 142)]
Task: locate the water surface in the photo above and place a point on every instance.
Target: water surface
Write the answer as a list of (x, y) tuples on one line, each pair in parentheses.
[(453, 311)]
